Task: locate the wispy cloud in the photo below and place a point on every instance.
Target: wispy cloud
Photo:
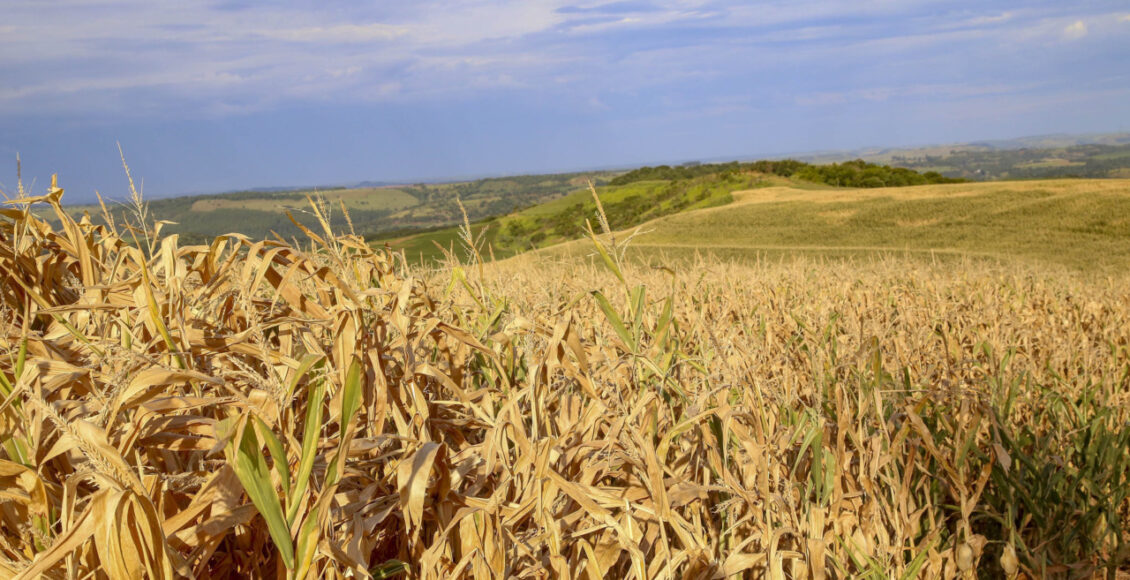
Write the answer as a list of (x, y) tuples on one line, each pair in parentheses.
[(436, 87), (1075, 30), (130, 56)]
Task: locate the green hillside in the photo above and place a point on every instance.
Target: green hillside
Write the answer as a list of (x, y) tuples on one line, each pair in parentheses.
[(645, 194), (1081, 224), (563, 219)]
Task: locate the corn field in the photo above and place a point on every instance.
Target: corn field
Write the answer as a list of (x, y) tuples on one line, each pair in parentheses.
[(319, 409)]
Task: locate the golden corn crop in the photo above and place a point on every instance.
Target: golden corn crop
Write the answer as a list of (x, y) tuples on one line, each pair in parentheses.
[(261, 409)]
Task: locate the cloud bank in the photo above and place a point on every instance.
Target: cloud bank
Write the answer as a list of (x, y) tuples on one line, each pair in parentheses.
[(208, 58), (403, 87)]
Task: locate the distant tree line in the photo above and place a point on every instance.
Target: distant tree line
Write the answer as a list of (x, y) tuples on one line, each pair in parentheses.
[(1088, 161), (856, 173)]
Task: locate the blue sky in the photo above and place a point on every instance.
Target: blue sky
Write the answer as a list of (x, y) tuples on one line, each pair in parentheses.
[(209, 96)]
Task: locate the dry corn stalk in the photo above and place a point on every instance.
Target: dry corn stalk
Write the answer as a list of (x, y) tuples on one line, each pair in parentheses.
[(251, 408)]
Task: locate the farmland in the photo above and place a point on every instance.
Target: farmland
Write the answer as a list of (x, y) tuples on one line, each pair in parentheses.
[(372, 210), (354, 199), (1081, 224), (647, 193), (1045, 157), (249, 409)]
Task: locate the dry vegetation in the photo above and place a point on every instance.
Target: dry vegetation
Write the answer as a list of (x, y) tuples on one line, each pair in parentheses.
[(252, 409)]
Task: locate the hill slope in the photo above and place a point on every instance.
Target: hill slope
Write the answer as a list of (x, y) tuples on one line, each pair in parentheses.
[(563, 219), (651, 192), (1083, 224)]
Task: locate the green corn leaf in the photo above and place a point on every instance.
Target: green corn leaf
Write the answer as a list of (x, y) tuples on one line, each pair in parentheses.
[(351, 395), (639, 299), (310, 433), (350, 402), (278, 454), (308, 542), (304, 367), (614, 319), (21, 358), (389, 569), (918, 561), (664, 321), (608, 261), (813, 436), (251, 469)]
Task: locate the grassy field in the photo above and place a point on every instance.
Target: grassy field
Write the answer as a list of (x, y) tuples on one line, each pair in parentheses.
[(562, 219), (1078, 223), (248, 409), (1083, 224), (363, 198)]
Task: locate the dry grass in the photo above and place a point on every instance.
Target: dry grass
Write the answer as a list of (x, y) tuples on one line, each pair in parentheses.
[(1075, 223), (251, 409)]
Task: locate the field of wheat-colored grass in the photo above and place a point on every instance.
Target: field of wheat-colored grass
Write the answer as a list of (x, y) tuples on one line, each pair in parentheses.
[(254, 409), (1079, 223)]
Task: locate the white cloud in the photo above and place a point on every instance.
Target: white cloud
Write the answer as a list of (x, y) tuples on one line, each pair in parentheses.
[(1075, 30), (127, 53)]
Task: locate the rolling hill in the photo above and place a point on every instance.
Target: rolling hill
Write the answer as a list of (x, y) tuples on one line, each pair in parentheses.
[(372, 209), (647, 193), (1080, 224)]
